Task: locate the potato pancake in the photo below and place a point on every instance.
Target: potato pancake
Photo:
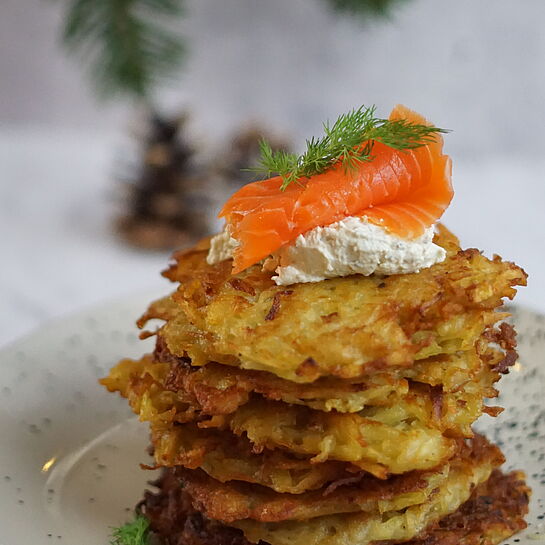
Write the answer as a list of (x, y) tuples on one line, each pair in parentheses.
[(227, 457), (232, 501), (494, 512), (380, 440), (467, 471), (342, 327), (385, 440), (412, 430), (180, 392), (220, 389)]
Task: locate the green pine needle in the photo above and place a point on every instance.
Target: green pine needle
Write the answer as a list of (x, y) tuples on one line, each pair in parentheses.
[(128, 43), (364, 8), (132, 533), (349, 140)]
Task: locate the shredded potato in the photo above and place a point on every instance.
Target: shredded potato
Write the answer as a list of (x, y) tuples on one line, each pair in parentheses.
[(344, 327), (364, 528)]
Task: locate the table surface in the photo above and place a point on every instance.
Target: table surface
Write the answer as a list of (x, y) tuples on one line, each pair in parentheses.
[(59, 253)]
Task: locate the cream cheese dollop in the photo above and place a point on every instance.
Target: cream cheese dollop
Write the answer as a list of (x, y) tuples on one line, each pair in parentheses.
[(222, 247), (352, 245)]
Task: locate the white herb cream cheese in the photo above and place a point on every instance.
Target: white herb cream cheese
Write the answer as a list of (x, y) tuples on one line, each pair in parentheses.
[(350, 246), (222, 247)]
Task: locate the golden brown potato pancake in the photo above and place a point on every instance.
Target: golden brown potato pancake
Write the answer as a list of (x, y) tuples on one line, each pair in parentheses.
[(220, 389), (232, 501), (411, 431), (380, 440), (227, 457), (494, 512), (471, 468), (344, 327)]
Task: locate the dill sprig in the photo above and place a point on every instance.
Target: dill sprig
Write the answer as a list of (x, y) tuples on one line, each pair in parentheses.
[(132, 533), (349, 140)]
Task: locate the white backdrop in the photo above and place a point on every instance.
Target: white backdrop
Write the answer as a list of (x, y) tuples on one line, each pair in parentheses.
[(475, 66)]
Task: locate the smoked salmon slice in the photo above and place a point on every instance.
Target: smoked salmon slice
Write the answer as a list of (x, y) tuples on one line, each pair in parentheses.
[(403, 191)]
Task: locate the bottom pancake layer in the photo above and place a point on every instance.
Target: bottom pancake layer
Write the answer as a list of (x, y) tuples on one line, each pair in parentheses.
[(493, 513)]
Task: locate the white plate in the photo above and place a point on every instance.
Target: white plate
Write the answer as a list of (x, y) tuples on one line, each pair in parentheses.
[(69, 451)]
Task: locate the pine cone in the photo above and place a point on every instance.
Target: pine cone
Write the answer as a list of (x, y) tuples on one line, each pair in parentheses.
[(168, 203)]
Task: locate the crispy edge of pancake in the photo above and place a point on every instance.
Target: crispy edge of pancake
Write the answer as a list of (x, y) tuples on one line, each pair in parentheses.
[(228, 502), (494, 512), (141, 383), (434, 311), (227, 457)]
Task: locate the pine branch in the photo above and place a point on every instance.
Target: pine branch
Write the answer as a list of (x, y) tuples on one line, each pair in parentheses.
[(364, 8), (127, 43)]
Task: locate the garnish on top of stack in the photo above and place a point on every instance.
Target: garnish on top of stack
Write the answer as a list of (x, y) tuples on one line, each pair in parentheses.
[(392, 172), (339, 409)]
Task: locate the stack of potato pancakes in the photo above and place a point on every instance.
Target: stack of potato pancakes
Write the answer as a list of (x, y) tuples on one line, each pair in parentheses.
[(329, 413)]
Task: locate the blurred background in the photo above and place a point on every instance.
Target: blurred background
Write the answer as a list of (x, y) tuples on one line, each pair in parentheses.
[(101, 177)]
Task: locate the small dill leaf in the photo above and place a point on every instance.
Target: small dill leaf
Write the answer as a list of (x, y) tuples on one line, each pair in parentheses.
[(350, 140), (132, 533), (272, 161), (401, 134)]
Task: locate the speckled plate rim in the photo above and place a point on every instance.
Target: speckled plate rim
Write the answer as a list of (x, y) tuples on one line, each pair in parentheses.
[(69, 451)]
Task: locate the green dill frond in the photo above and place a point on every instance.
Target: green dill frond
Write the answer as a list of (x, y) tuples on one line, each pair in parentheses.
[(402, 134), (128, 44), (276, 162), (350, 140), (132, 533)]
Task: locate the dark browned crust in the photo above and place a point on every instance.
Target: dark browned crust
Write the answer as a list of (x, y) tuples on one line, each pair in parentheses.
[(231, 501), (275, 308), (241, 285), (506, 337), (174, 521), (494, 512), (163, 355), (436, 395)]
